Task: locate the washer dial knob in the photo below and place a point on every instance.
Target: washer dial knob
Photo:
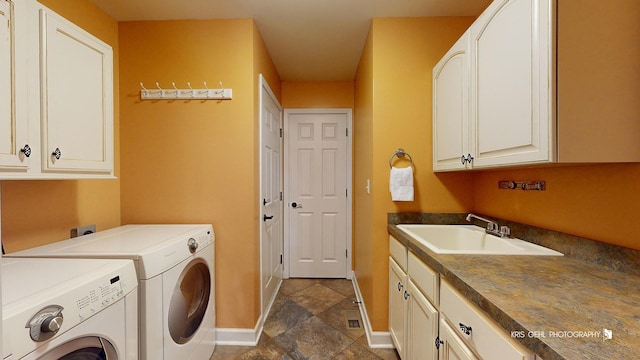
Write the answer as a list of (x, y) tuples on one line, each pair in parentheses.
[(193, 245), (45, 323)]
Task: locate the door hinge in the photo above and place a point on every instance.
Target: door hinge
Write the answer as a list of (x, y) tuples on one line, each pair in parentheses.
[(346, 193), (280, 195), (280, 258), (346, 253), (280, 132)]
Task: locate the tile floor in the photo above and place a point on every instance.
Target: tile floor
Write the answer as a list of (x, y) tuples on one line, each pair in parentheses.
[(308, 321)]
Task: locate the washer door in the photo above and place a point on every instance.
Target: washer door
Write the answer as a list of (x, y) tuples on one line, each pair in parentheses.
[(86, 348), (189, 301)]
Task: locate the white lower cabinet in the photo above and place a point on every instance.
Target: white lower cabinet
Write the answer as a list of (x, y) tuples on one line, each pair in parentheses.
[(413, 319), (422, 325), (397, 306), (429, 319), (473, 327), (451, 346)]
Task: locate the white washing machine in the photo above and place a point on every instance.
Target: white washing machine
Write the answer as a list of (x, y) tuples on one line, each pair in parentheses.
[(175, 267), (69, 309)]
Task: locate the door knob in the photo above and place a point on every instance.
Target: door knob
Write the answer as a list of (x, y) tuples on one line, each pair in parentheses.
[(265, 217), (296, 205)]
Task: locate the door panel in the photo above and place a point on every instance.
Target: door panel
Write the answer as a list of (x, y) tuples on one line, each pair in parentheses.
[(316, 193), (271, 175)]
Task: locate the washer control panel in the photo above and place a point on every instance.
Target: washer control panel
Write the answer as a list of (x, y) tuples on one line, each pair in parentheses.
[(100, 296)]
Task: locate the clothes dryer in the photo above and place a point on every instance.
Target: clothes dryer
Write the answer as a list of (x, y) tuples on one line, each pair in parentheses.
[(69, 309), (175, 267)]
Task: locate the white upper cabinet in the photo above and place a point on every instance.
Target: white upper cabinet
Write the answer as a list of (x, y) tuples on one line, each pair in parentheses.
[(548, 82), (76, 87), (451, 108), (511, 69), (56, 103), (15, 149)]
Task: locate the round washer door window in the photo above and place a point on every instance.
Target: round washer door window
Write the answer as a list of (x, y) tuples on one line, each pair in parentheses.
[(86, 348), (189, 301)]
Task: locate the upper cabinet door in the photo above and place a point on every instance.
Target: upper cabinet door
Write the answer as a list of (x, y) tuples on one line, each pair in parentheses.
[(451, 108), (14, 147), (511, 83), (76, 98)]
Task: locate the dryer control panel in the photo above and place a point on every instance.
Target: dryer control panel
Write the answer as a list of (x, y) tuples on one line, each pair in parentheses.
[(100, 296)]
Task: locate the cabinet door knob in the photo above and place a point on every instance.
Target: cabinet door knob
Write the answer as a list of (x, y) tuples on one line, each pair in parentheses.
[(26, 150), (463, 159), (399, 286), (406, 295), (57, 153), (465, 329)]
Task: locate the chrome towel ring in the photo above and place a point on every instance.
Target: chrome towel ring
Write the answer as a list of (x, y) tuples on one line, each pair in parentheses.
[(400, 153)]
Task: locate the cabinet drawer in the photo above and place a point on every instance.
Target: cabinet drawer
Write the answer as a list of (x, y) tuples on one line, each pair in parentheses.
[(398, 252), (485, 337), (424, 277)]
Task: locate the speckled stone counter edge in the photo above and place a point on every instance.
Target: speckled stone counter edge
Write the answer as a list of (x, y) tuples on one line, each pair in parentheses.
[(612, 257)]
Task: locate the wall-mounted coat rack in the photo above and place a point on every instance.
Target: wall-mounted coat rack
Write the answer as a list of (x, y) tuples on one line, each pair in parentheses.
[(185, 94), (539, 185)]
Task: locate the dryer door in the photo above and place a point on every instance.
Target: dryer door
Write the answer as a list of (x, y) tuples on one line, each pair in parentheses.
[(85, 348), (189, 301)]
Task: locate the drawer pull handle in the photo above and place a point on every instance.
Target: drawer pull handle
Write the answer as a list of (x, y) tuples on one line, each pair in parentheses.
[(399, 286), (465, 329)]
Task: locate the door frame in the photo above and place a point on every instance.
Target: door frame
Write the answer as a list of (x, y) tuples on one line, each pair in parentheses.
[(349, 173), (265, 304)]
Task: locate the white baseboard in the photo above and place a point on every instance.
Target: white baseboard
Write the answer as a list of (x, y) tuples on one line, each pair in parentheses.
[(245, 337), (239, 337), (375, 339)]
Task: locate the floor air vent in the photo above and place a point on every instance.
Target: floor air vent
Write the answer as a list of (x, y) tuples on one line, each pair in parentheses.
[(353, 319)]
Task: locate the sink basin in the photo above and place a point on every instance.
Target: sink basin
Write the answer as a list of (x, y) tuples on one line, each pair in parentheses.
[(470, 239)]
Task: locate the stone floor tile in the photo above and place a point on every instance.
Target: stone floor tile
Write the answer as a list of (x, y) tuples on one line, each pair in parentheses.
[(313, 339), (291, 286), (335, 317), (284, 317), (316, 298), (342, 286), (356, 351)]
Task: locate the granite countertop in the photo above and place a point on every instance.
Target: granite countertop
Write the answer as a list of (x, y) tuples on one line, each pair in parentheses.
[(558, 307)]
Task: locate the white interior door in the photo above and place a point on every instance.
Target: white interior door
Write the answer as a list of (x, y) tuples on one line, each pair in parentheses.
[(317, 193), (271, 193)]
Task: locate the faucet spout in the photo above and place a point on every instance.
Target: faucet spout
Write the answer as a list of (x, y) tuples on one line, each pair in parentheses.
[(492, 227)]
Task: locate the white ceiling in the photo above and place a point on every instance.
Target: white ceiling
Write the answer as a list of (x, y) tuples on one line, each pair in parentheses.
[(308, 40)]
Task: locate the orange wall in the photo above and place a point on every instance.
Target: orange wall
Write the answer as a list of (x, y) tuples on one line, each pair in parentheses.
[(599, 202), (398, 59), (39, 212), (197, 161), (317, 95), (363, 169)]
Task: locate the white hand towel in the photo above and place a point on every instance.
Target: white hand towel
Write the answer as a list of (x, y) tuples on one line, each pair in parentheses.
[(401, 184)]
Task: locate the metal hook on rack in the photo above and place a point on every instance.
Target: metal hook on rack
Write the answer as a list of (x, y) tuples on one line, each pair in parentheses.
[(191, 89)]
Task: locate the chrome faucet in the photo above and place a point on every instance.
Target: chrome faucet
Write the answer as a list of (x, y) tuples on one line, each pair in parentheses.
[(492, 227)]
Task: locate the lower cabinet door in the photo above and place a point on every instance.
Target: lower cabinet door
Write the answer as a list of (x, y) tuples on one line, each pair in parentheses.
[(422, 326), (451, 346), (397, 306)]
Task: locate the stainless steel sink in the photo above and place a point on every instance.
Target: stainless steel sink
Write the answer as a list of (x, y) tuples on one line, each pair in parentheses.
[(470, 239)]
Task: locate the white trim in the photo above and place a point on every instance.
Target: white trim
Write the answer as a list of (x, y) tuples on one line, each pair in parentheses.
[(349, 172), (264, 85), (375, 339)]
